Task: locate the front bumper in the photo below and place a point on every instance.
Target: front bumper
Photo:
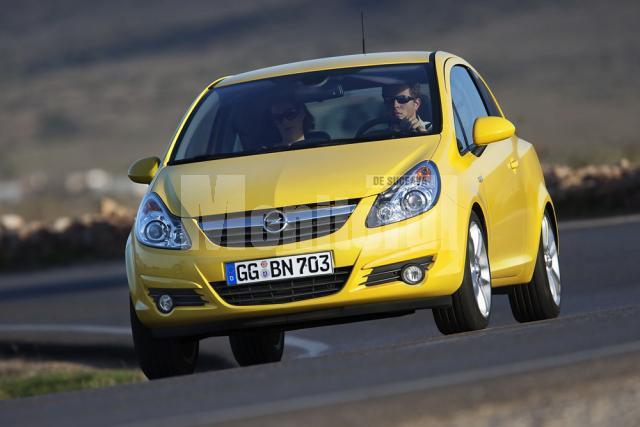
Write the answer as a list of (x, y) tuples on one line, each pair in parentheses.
[(355, 246)]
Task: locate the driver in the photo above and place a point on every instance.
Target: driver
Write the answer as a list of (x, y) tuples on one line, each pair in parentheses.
[(401, 103), (293, 121)]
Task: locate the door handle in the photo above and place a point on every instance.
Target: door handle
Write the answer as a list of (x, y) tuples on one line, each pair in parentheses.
[(513, 164)]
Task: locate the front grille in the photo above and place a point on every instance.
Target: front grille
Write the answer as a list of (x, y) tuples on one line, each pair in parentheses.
[(248, 229), (181, 297), (391, 272), (283, 291)]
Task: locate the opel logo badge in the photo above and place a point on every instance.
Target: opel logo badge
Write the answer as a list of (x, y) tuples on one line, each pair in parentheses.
[(275, 221)]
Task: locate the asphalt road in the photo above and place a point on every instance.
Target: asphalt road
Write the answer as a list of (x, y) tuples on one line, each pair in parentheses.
[(384, 371)]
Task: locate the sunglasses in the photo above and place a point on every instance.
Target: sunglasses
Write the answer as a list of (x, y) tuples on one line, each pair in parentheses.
[(401, 99), (289, 114)]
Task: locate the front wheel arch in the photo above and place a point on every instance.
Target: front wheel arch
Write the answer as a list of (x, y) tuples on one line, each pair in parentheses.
[(485, 229), (549, 209)]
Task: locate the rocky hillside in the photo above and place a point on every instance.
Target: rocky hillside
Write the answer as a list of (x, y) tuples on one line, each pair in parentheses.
[(583, 192), (98, 84)]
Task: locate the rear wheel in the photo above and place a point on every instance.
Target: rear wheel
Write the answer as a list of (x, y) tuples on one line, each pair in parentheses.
[(162, 357), (471, 304), (257, 347), (540, 298)]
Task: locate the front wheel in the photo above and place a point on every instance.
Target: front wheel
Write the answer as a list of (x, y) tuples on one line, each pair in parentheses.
[(257, 347), (471, 304), (540, 298), (162, 357)]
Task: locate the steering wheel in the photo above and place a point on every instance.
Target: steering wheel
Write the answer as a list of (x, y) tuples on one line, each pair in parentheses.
[(368, 125)]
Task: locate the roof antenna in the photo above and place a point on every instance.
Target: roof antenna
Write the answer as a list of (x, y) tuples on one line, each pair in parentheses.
[(364, 51)]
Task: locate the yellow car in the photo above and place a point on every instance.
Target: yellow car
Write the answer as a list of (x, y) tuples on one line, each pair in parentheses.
[(337, 190)]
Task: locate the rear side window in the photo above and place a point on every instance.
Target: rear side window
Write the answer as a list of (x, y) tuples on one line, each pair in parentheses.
[(467, 104)]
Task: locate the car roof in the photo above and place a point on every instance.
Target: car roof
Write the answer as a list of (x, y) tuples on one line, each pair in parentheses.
[(347, 61)]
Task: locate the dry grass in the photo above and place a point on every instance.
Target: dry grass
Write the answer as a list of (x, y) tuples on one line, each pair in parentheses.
[(24, 378)]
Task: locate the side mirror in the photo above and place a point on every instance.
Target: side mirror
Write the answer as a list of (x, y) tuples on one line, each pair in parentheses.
[(491, 129), (143, 170)]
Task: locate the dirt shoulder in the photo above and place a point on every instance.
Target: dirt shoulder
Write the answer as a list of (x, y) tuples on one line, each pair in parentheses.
[(600, 392)]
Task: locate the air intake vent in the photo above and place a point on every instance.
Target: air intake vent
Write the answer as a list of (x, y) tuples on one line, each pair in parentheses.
[(283, 291), (270, 227)]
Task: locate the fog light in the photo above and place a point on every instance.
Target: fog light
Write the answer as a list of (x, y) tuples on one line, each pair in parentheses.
[(412, 274), (165, 303)]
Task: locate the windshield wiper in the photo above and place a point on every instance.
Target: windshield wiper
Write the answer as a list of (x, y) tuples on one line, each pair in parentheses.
[(202, 158), (300, 146)]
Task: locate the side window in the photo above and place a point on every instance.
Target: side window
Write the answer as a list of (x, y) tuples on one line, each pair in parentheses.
[(486, 96), (467, 103)]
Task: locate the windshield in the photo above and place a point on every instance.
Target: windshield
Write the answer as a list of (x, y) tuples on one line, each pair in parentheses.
[(311, 109)]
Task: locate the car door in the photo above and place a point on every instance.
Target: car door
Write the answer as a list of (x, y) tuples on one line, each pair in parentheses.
[(498, 165)]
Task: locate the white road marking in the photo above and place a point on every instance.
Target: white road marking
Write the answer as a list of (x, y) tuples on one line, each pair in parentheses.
[(62, 329), (308, 347), (311, 348)]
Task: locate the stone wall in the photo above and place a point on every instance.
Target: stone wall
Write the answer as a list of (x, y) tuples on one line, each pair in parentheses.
[(582, 192), (594, 190), (66, 240)]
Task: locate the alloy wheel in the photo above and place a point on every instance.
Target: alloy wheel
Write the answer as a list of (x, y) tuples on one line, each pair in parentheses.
[(551, 262)]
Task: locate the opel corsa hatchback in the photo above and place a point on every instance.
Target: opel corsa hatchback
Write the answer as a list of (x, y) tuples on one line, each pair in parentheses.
[(331, 191)]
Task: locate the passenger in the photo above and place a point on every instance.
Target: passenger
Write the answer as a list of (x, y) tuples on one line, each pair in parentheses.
[(402, 102), (293, 121)]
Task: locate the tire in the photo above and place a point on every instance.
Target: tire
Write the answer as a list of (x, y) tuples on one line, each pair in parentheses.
[(540, 299), (471, 304), (162, 357), (257, 347)]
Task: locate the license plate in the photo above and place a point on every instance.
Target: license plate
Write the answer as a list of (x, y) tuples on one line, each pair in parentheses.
[(286, 267)]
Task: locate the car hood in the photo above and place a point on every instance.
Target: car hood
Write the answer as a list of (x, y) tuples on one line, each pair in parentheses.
[(297, 177)]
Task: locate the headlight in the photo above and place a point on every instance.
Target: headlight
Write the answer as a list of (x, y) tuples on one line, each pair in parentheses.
[(414, 193), (157, 227)]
